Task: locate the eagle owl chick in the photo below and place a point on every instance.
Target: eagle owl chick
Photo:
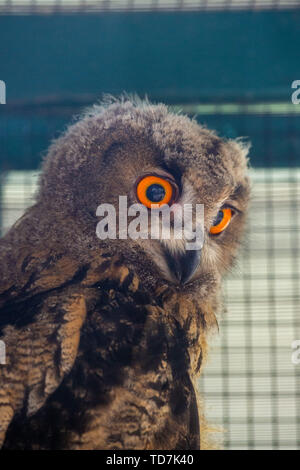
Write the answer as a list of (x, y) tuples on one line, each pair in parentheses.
[(104, 338)]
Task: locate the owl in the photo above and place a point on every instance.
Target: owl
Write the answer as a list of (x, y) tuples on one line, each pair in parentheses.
[(105, 337)]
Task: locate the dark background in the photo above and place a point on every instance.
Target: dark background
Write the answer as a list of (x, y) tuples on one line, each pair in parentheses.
[(56, 65)]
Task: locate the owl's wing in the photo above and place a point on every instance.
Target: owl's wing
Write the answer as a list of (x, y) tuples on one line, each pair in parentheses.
[(42, 310)]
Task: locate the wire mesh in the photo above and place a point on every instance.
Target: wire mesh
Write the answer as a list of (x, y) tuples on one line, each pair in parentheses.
[(56, 6), (250, 386)]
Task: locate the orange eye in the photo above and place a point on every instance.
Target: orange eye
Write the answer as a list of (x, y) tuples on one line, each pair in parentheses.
[(221, 221), (154, 190)]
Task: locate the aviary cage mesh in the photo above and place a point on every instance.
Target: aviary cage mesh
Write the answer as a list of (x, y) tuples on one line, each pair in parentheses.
[(56, 6), (250, 385)]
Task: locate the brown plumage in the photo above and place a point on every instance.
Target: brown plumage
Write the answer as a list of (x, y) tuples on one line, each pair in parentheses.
[(103, 343)]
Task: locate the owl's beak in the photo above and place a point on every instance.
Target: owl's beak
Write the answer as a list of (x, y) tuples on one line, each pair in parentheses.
[(183, 265)]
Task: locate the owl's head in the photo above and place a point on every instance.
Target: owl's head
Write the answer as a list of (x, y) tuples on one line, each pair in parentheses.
[(149, 155)]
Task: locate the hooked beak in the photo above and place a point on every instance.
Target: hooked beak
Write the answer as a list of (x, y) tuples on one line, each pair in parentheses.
[(183, 265)]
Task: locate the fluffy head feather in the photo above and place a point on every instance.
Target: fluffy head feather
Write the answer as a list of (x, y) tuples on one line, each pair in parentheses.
[(100, 158)]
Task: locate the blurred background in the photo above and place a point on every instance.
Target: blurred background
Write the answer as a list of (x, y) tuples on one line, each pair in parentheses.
[(231, 63)]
